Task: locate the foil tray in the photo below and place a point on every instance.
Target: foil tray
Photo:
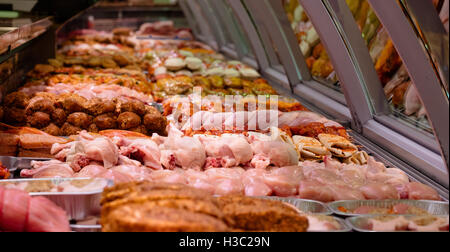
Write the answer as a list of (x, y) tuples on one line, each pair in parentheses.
[(305, 206), (361, 223), (78, 205), (432, 207)]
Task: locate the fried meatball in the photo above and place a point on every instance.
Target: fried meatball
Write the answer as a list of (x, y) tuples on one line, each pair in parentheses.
[(16, 99), (15, 115), (128, 120), (59, 116), (155, 122), (140, 129), (99, 107), (136, 107), (52, 129), (105, 121), (74, 103), (68, 130), (80, 119), (93, 128), (40, 104), (39, 120)]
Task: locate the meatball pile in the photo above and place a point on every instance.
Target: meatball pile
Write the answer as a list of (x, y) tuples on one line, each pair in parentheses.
[(68, 114)]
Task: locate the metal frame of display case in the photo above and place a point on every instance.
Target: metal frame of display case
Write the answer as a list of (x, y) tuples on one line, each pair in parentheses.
[(398, 143)]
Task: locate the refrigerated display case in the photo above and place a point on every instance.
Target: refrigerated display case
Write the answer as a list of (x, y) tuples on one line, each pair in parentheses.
[(367, 51)]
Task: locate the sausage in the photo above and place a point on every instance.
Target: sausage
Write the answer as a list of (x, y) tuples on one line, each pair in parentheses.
[(128, 120), (105, 121), (93, 128), (73, 103), (140, 129), (59, 117), (40, 104), (16, 99), (15, 116), (68, 130), (136, 107), (39, 120), (100, 107), (79, 119), (52, 129), (155, 122)]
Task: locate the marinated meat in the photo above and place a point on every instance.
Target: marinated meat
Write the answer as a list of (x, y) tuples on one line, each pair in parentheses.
[(79, 119), (69, 130), (39, 120), (93, 128), (59, 117), (140, 129), (52, 129), (105, 121), (128, 120)]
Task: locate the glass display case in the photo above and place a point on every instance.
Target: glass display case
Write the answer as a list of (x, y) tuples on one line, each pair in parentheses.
[(382, 67)]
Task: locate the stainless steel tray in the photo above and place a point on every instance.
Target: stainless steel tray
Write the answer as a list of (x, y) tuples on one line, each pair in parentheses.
[(78, 205), (86, 228), (305, 206), (432, 207), (18, 163), (360, 223)]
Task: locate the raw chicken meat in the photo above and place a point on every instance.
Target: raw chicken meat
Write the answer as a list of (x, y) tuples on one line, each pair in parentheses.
[(379, 191), (91, 171), (284, 181), (314, 190), (226, 151), (418, 191), (227, 181), (116, 176), (277, 153), (181, 151), (412, 101), (138, 173), (144, 150), (176, 176), (48, 169), (254, 184), (199, 180)]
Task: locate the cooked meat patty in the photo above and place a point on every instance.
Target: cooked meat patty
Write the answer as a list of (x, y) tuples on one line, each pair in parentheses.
[(69, 130), (59, 117), (16, 99), (79, 119), (128, 120), (52, 129), (39, 120), (150, 218), (105, 121)]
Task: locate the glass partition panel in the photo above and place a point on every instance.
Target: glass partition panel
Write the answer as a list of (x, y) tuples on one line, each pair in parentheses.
[(315, 54), (404, 100)]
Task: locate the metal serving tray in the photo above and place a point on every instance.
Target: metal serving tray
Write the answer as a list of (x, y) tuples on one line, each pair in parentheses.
[(306, 206), (360, 223), (86, 228), (432, 207), (18, 163), (78, 205)]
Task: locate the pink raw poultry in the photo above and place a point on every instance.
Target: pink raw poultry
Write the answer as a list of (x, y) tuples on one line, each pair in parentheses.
[(144, 150), (227, 151), (273, 152), (254, 184), (284, 181)]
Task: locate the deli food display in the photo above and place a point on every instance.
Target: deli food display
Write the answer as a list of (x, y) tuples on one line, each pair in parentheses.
[(148, 130)]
